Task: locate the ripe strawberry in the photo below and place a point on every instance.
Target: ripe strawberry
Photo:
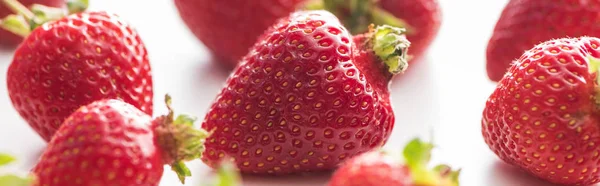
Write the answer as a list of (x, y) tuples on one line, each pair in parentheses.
[(9, 39), (111, 142), (421, 18), (525, 23), (542, 117), (377, 168), (230, 28), (307, 96), (77, 59)]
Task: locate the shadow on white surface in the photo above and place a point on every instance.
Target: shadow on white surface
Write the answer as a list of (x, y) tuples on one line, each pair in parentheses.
[(309, 179), (503, 174)]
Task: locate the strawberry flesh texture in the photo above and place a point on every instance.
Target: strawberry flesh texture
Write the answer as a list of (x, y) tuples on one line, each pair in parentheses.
[(300, 101), (8, 39), (423, 16), (543, 118), (107, 142), (371, 169), (69, 63), (526, 23), (230, 28)]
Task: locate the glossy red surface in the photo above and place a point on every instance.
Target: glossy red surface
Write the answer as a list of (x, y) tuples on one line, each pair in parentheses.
[(304, 99), (543, 117), (79, 59), (107, 142)]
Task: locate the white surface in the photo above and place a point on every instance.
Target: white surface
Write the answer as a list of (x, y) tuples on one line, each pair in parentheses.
[(446, 92)]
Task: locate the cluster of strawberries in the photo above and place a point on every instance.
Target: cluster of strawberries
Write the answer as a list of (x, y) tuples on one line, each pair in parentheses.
[(308, 91)]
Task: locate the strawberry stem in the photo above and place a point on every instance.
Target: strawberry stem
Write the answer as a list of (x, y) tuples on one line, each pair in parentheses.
[(227, 174), (76, 6), (417, 155), (24, 20), (391, 46), (16, 24), (357, 15), (12, 180), (179, 140)]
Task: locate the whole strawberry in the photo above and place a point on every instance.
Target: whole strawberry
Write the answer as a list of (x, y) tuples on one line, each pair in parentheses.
[(526, 23), (8, 39), (111, 142), (229, 28), (542, 117), (421, 18), (307, 96), (72, 61), (377, 168)]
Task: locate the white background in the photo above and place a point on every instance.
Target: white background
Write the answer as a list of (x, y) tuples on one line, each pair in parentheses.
[(445, 93)]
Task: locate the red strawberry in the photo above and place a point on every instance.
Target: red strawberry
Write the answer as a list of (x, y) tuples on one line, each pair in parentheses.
[(421, 18), (542, 117), (525, 23), (111, 142), (377, 168), (77, 59), (307, 96), (10, 39), (229, 28)]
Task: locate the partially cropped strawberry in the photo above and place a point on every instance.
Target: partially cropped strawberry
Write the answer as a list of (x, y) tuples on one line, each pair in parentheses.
[(526, 23), (543, 115), (308, 96), (229, 28), (111, 142), (421, 18), (71, 61), (376, 168), (8, 39)]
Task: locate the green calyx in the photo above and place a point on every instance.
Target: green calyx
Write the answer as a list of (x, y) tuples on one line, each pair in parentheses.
[(12, 180), (391, 46), (357, 15), (180, 141), (24, 19), (417, 155), (594, 68), (226, 174)]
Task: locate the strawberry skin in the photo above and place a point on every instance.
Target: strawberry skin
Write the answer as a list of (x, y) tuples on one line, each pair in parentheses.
[(542, 117), (107, 142), (423, 17), (73, 61), (8, 39), (377, 168), (230, 28), (372, 169), (305, 98), (526, 23), (111, 142)]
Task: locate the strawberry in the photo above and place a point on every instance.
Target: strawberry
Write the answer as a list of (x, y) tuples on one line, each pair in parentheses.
[(307, 96), (69, 62), (376, 168), (421, 18), (229, 28), (525, 23), (9, 39), (542, 117), (111, 142)]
